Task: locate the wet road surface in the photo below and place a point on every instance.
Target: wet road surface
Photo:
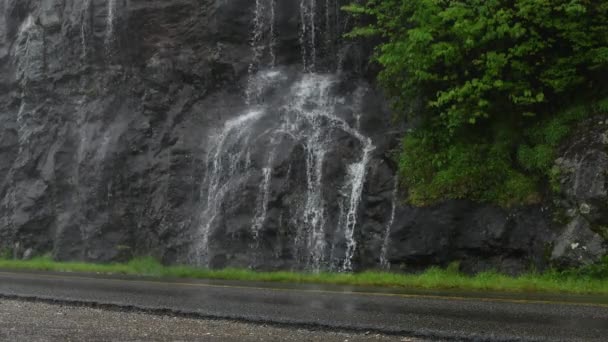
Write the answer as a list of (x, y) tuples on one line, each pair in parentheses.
[(443, 316)]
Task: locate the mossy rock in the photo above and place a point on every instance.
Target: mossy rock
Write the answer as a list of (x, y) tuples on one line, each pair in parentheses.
[(601, 231)]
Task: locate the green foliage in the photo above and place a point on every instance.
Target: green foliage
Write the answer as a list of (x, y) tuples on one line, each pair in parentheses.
[(433, 172), (594, 271), (488, 79), (6, 253)]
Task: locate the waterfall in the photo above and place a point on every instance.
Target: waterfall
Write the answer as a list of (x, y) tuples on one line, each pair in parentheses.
[(384, 263), (313, 89), (262, 44), (111, 21), (273, 34), (85, 27), (285, 110), (22, 131), (308, 34), (28, 49), (257, 49), (262, 201), (357, 173), (28, 44), (221, 171), (320, 34), (307, 118)]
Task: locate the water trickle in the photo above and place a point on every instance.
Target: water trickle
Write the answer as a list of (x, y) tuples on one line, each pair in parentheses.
[(26, 25), (25, 50), (356, 179), (22, 131), (313, 34), (308, 34), (384, 263), (111, 22), (262, 201), (29, 55), (263, 46), (228, 148), (85, 27), (273, 34)]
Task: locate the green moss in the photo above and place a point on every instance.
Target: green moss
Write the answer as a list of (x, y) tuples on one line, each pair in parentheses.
[(602, 231), (484, 170), (602, 105), (555, 175)]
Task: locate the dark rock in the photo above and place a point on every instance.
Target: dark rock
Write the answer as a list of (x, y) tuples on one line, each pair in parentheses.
[(582, 204), (110, 113)]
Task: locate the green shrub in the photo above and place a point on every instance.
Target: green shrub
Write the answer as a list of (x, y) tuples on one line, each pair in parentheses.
[(488, 81), (6, 254)]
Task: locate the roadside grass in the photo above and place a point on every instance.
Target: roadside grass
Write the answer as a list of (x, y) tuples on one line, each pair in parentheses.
[(589, 280)]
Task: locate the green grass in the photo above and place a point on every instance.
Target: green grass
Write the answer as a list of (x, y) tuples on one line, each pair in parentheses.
[(590, 280)]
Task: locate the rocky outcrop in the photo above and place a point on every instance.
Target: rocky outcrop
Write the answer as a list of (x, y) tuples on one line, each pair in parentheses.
[(582, 204), (219, 133)]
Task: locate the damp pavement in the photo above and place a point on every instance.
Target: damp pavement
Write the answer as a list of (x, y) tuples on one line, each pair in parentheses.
[(248, 311)]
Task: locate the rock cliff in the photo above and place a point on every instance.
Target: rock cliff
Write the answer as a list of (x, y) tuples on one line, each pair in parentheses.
[(239, 133)]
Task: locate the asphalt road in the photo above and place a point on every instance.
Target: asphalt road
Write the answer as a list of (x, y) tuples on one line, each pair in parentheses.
[(450, 316)]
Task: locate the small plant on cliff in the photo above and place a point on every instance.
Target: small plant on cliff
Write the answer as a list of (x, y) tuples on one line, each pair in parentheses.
[(6, 254), (488, 81)]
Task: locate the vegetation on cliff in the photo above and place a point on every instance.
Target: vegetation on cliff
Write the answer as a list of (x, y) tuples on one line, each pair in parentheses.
[(494, 87)]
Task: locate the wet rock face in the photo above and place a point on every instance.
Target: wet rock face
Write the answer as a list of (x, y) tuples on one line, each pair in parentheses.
[(113, 110), (218, 133), (582, 205)]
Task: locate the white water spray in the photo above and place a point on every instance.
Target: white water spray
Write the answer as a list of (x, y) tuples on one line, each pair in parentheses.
[(273, 34), (304, 114), (308, 34), (314, 103), (262, 202), (222, 174), (262, 47), (357, 173), (384, 263), (85, 28), (111, 22)]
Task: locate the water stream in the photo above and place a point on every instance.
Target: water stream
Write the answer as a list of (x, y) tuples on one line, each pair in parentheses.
[(85, 28), (287, 110), (384, 262), (111, 22)]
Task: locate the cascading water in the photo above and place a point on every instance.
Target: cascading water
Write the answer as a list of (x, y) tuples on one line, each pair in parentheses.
[(313, 106), (262, 203), (22, 131), (384, 263), (356, 179), (273, 34), (287, 110), (111, 22), (29, 44), (308, 34), (85, 28), (263, 43), (224, 159)]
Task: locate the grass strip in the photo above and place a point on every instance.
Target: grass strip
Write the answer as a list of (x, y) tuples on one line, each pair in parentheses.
[(580, 281)]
